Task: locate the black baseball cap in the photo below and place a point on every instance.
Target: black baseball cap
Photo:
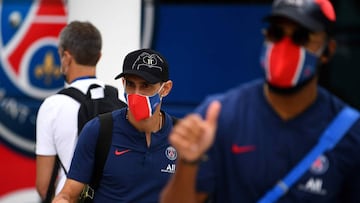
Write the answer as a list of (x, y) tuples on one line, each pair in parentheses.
[(315, 15), (147, 64)]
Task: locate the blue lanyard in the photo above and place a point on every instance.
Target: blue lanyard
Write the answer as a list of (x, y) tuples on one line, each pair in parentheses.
[(83, 78), (328, 140)]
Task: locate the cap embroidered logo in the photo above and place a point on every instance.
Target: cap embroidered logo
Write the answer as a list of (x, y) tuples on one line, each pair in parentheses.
[(147, 60)]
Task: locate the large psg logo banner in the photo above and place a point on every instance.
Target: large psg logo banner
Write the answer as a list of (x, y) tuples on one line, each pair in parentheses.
[(29, 72)]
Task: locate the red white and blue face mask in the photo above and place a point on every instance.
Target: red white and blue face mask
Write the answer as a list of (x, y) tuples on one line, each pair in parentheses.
[(141, 106), (287, 65)]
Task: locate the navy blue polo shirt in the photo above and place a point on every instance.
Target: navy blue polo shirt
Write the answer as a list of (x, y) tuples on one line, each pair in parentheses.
[(254, 148), (133, 171)]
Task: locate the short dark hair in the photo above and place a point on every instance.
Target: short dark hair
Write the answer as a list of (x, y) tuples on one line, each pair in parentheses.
[(83, 41)]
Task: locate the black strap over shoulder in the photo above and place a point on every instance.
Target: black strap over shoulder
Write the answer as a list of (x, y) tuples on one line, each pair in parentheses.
[(74, 93), (79, 97), (89, 108), (51, 189), (102, 147)]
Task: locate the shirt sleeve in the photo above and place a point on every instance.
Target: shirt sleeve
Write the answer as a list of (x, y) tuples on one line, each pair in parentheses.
[(56, 127), (82, 163), (44, 129)]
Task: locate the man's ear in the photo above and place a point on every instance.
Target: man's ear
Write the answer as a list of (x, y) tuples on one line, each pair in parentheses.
[(123, 82), (166, 89), (329, 51), (67, 58)]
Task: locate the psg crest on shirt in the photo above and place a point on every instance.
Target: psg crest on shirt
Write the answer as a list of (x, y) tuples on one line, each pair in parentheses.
[(171, 153), (320, 165), (30, 66)]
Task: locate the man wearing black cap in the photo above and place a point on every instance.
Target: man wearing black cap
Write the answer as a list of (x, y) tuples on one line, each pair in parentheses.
[(140, 158), (273, 140)]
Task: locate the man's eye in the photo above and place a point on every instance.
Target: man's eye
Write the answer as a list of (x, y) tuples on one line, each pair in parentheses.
[(145, 86)]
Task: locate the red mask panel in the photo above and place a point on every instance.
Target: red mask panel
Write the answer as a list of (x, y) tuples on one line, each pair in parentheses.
[(287, 64), (142, 107)]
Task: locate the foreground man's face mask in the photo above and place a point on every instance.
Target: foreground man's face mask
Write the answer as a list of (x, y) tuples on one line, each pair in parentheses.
[(286, 64), (141, 106)]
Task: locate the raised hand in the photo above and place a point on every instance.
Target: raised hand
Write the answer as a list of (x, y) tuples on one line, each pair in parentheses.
[(192, 136)]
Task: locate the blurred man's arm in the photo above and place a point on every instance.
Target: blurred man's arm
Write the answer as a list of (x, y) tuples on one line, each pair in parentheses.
[(191, 137)]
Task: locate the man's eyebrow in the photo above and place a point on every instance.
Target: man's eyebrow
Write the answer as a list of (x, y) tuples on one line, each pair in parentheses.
[(140, 83)]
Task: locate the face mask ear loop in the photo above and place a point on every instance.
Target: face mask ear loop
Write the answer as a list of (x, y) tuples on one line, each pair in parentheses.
[(124, 85), (319, 52), (160, 90)]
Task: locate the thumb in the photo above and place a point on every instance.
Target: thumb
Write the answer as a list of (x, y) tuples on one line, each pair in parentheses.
[(212, 113)]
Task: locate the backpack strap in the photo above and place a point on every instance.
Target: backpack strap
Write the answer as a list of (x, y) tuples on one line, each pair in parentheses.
[(80, 97), (95, 105), (334, 132), (51, 188), (74, 93), (110, 90), (102, 148), (77, 95)]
